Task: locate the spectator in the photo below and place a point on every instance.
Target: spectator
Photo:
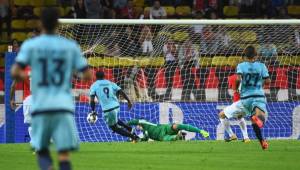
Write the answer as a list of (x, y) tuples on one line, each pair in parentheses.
[(157, 11), (146, 15), (108, 9), (188, 59), (198, 6), (115, 51), (5, 17), (146, 40), (119, 4), (93, 9), (171, 63), (15, 45), (128, 12), (79, 7), (131, 47), (268, 53)]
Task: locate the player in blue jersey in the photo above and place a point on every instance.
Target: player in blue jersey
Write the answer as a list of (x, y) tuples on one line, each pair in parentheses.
[(53, 60), (107, 94), (252, 75)]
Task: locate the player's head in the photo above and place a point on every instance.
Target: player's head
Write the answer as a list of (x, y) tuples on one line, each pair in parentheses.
[(250, 52), (100, 75), (49, 19)]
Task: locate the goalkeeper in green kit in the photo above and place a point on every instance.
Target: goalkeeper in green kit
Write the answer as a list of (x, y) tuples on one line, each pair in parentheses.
[(164, 132)]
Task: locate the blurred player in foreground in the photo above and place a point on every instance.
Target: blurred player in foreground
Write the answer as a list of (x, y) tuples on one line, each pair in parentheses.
[(107, 94), (53, 60), (252, 75), (233, 109), (164, 132)]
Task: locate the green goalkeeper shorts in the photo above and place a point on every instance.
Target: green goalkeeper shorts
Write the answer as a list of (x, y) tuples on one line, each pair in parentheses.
[(60, 127)]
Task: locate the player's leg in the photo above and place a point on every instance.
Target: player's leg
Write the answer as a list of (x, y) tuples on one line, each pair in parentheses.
[(189, 128), (243, 126), (125, 125), (258, 106), (111, 119), (65, 137), (40, 141), (226, 124)]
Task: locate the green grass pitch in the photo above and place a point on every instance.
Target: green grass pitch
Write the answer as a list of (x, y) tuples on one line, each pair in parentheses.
[(193, 155)]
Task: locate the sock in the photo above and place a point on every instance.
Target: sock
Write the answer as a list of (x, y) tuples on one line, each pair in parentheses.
[(44, 160), (257, 132), (227, 127), (188, 128), (243, 126), (126, 126), (65, 165), (123, 132), (30, 132)]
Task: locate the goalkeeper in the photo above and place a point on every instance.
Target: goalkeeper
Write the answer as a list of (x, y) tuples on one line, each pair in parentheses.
[(164, 132)]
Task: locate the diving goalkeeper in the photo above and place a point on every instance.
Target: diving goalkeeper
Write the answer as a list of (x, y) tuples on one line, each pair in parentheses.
[(164, 132)]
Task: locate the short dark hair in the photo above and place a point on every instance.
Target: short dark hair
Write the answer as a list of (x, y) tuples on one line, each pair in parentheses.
[(49, 18), (100, 75), (250, 52)]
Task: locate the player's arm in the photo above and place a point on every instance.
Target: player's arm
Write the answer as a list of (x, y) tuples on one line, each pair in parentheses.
[(265, 75), (237, 83), (123, 94), (12, 94)]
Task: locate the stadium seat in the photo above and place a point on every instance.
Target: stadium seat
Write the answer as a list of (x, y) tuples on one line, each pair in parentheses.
[(18, 24), (234, 35), (230, 11), (205, 61), (180, 36), (294, 10), (37, 11), (100, 49), (22, 2), (32, 23), (170, 10), (50, 2), (183, 10), (3, 48), (67, 10), (147, 9), (126, 62), (36, 3), (248, 36), (220, 61), (138, 3), (61, 11), (233, 61), (20, 36)]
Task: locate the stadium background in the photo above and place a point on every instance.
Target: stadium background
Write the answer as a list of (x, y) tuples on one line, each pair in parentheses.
[(21, 22)]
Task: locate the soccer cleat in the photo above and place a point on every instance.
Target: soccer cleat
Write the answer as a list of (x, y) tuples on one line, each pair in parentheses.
[(204, 133), (247, 140), (257, 121), (264, 144), (232, 138)]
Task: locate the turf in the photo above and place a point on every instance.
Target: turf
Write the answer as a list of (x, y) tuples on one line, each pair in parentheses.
[(196, 155)]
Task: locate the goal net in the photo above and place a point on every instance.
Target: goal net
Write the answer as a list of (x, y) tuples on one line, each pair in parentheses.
[(177, 71)]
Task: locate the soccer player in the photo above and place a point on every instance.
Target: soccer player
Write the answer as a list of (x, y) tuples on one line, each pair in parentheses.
[(234, 110), (252, 75), (53, 60), (107, 94), (164, 132)]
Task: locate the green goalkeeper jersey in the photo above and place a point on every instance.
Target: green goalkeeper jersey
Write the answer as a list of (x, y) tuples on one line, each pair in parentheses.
[(153, 131)]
